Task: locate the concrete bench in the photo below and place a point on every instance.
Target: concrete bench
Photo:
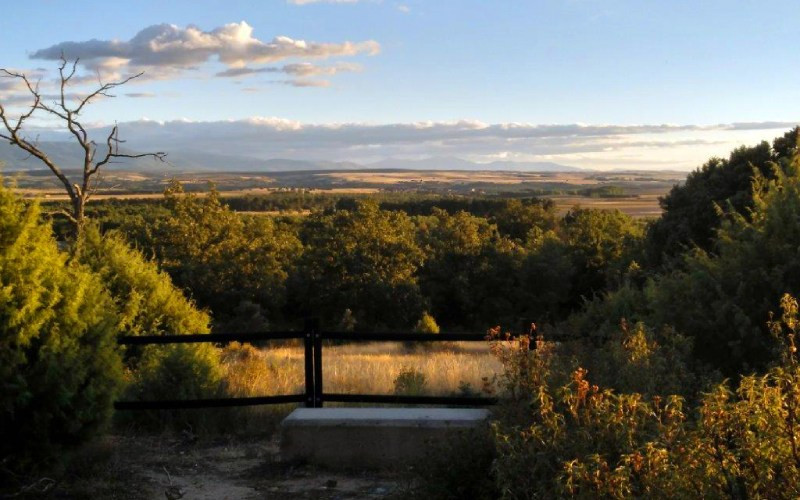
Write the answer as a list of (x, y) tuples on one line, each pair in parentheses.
[(370, 437)]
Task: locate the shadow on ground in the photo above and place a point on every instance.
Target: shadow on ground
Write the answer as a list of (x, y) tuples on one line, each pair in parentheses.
[(232, 468)]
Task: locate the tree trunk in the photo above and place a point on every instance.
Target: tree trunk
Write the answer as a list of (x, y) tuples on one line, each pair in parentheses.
[(78, 214)]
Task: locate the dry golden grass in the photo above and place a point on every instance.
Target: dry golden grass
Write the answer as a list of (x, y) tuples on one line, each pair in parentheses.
[(356, 368)]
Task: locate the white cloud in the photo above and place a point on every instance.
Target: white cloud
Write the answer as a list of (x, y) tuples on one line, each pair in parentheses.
[(308, 69), (167, 50), (11, 86), (15, 94), (304, 69), (245, 71), (301, 82)]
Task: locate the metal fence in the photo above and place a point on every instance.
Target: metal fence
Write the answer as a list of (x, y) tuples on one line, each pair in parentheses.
[(313, 396)]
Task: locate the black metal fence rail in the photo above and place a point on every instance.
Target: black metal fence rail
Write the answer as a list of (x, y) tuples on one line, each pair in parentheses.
[(313, 397), (216, 338)]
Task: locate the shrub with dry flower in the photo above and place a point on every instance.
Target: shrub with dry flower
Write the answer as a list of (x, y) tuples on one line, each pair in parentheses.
[(580, 440)]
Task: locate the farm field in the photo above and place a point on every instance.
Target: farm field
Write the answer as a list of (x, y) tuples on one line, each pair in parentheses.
[(642, 206), (635, 193)]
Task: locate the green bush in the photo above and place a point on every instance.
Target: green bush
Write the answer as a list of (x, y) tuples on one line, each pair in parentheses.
[(147, 303), (177, 371), (410, 382), (426, 324), (59, 365), (641, 359)]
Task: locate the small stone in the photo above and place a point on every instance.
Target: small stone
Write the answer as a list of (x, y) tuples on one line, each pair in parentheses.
[(174, 493)]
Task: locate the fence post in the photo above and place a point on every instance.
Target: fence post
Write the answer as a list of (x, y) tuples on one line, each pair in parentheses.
[(308, 341), (317, 369), (532, 335)]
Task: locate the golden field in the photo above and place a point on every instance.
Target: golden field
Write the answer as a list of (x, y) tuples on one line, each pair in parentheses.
[(367, 368)]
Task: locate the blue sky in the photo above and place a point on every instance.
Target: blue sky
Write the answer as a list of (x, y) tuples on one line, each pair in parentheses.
[(487, 63)]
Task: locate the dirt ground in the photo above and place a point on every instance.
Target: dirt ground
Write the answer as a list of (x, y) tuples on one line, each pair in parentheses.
[(229, 468)]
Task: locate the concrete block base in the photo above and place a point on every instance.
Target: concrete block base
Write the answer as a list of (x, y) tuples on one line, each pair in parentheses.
[(370, 437)]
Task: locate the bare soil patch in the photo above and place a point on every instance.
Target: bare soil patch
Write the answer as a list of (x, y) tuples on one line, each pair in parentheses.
[(232, 468)]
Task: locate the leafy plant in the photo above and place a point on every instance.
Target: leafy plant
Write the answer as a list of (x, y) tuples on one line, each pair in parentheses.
[(410, 382), (577, 439), (59, 364)]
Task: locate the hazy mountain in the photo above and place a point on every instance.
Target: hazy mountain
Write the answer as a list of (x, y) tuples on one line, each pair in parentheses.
[(533, 166), (434, 163), (70, 156), (453, 163), (66, 155), (280, 165)]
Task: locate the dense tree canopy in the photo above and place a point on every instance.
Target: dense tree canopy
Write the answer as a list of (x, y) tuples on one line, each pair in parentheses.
[(362, 260), (723, 297), (468, 271), (691, 210), (227, 262)]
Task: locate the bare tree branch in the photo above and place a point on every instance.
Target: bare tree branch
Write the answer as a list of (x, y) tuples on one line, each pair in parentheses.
[(14, 138), (79, 193), (103, 90), (66, 214), (113, 142)]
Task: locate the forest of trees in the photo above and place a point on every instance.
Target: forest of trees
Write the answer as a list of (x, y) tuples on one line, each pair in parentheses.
[(471, 263), (688, 300)]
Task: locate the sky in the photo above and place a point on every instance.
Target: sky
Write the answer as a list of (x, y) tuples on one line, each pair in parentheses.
[(633, 84)]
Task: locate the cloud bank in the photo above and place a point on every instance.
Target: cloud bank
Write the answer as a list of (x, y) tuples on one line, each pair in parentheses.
[(663, 146)]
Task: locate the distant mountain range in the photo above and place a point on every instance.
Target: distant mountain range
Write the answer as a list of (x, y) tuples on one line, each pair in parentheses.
[(70, 156), (453, 163)]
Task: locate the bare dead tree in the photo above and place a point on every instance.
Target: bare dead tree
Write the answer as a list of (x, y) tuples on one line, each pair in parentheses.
[(78, 192)]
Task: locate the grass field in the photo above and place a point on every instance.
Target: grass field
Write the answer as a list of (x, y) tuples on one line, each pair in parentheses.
[(371, 368)]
